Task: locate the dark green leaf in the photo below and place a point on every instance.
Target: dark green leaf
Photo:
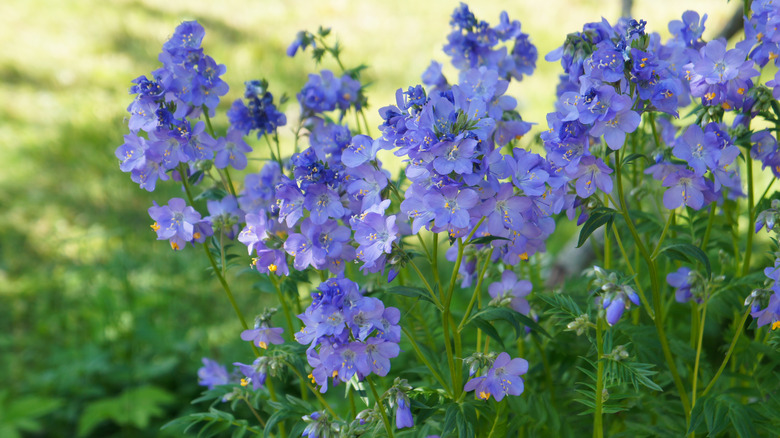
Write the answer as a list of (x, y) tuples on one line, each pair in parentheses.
[(740, 418), (412, 292), (598, 217), (516, 319), (484, 239), (633, 157), (193, 179), (488, 329), (687, 252)]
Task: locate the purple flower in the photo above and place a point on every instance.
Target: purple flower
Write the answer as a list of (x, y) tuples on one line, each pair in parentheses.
[(212, 373), (618, 301), (680, 280), (300, 246), (323, 203), (174, 222), (376, 356), (360, 150), (769, 314), (255, 232), (592, 173), (621, 122), (504, 211), (403, 414), (375, 235), (503, 378), (699, 149), (456, 156), (231, 151), (255, 373), (685, 187), (450, 206), (225, 215), (510, 287), (263, 335)]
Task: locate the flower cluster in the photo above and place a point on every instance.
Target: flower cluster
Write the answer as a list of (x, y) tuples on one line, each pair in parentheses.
[(187, 84), (452, 139), (615, 74), (348, 334), (258, 114), (474, 43)]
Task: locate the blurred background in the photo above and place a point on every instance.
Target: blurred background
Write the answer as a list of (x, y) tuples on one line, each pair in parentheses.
[(102, 328)]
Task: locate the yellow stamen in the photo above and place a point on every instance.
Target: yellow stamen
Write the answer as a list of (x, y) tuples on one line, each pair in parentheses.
[(155, 226), (524, 256), (196, 236), (775, 325), (262, 345), (311, 376), (484, 395), (175, 245), (244, 382), (272, 267)]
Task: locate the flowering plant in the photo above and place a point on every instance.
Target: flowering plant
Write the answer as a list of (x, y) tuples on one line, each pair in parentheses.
[(353, 253)]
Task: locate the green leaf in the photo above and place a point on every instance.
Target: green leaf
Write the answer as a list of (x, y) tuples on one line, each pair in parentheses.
[(633, 157), (484, 239), (489, 330), (598, 217), (740, 418), (193, 179), (627, 372), (411, 292), (687, 252), (516, 319), (563, 306), (134, 407)]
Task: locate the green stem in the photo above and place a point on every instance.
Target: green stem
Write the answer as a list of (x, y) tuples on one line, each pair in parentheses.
[(275, 157), (477, 290), (435, 261), (656, 289), (707, 231), (751, 216), (548, 381), (283, 302), (270, 385), (642, 297), (698, 354), (290, 329), (495, 420), (426, 362), (254, 412), (607, 245), (313, 390), (381, 407), (365, 122), (663, 235), (424, 246), (763, 195), (728, 353), (598, 427), (434, 298), (656, 137)]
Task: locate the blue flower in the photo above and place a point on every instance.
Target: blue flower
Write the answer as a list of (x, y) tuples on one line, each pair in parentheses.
[(503, 378), (403, 413), (175, 222), (212, 374)]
